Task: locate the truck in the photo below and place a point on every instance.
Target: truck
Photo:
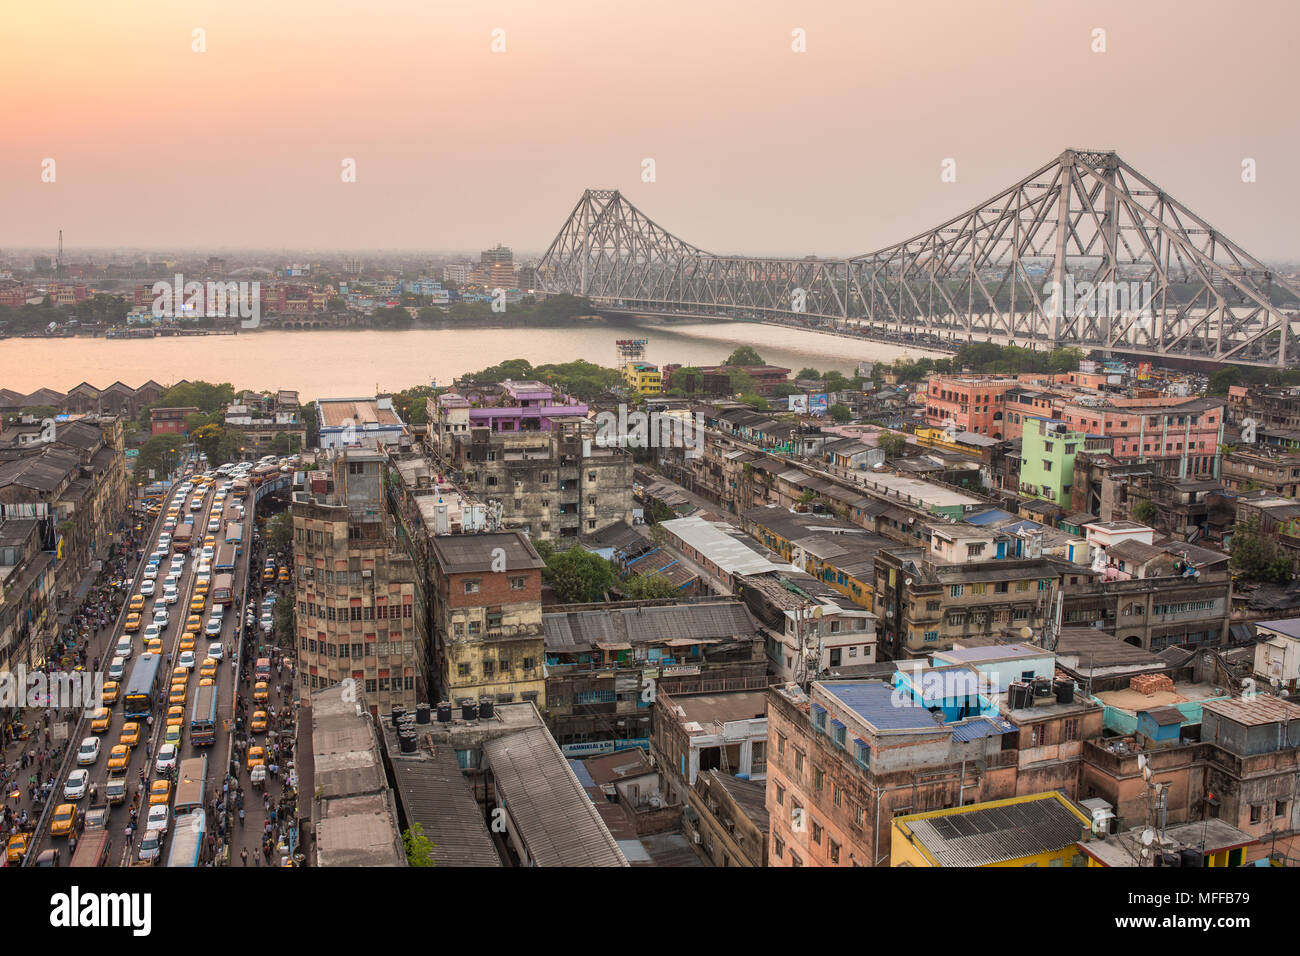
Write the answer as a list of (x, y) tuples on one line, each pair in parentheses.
[(115, 789), (93, 848), (182, 537)]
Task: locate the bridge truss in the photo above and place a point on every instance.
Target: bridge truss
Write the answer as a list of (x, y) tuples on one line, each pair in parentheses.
[(1085, 251)]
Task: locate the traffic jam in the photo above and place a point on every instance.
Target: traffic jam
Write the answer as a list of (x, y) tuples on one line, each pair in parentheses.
[(187, 761)]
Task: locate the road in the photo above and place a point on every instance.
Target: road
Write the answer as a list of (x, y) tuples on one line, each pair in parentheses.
[(125, 851)]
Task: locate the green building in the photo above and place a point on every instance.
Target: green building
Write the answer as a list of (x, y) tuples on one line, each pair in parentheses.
[(1047, 450)]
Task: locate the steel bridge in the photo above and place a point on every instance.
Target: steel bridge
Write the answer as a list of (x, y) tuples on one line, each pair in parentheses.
[(1085, 251)]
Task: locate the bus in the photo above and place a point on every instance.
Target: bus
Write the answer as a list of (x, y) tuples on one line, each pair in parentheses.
[(203, 718), (225, 561), (92, 848), (189, 840), (223, 589), (141, 687), (182, 537), (240, 488), (191, 784)]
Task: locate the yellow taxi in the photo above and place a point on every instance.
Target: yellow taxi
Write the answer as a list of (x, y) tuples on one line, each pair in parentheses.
[(208, 668), (210, 541), (198, 603), (65, 819), (172, 735), (17, 848), (207, 681), (186, 644), (100, 720), (130, 734), (261, 692), (119, 757), (111, 690), (258, 723), (201, 589), (132, 622), (180, 673), (136, 603), (283, 574), (194, 622), (268, 575), (160, 792), (175, 715), (153, 647), (256, 757), (177, 695)]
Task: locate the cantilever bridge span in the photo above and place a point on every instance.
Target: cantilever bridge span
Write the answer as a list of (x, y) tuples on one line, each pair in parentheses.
[(1084, 251)]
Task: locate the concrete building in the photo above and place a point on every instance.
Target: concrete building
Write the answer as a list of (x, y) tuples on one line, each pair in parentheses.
[(695, 733), (347, 422), (257, 420), (1047, 453), (643, 378), (354, 589), (1277, 655), (487, 618), (727, 821)]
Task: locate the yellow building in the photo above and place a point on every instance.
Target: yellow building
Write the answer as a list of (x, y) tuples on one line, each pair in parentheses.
[(844, 561), (643, 377), (1041, 829)]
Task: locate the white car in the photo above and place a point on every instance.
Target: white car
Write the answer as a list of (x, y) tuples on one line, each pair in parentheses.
[(151, 845), (88, 752), (75, 788), (123, 649), (214, 526), (186, 660), (208, 552), (147, 585), (213, 627), (171, 595), (157, 819), (116, 669), (166, 758), (216, 651), (204, 567), (162, 618), (267, 621), (152, 632)]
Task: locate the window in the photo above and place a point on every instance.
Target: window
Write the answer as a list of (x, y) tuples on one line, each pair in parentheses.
[(835, 852), (798, 761), (817, 833), (462, 670), (780, 743), (779, 847), (472, 586), (518, 582), (819, 778), (1256, 812), (1071, 729), (780, 795), (957, 590), (1279, 808)]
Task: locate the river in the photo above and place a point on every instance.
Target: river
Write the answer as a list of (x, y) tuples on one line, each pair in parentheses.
[(347, 363)]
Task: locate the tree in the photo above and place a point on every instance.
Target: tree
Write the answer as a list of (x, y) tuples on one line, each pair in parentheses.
[(648, 587), (892, 445), (209, 439), (835, 382), (1145, 512), (741, 381), (159, 454), (1223, 379), (283, 619), (809, 373), (419, 850), (579, 576), (1255, 555), (839, 413), (744, 355), (754, 400), (279, 531)]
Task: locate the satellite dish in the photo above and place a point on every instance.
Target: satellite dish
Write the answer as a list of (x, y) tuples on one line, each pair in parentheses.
[(817, 612), (1142, 761), (1148, 837), (1146, 773), (1026, 633), (907, 581)]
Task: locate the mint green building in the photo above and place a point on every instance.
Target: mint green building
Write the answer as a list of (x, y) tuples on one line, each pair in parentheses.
[(1047, 450)]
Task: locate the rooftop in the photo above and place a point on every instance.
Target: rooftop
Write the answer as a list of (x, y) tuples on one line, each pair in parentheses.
[(985, 834), (470, 553), (712, 711), (1254, 711)]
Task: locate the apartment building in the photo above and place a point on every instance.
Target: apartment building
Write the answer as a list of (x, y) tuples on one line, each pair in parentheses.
[(259, 419), (1047, 452), (1256, 467), (354, 589), (695, 733), (28, 613), (487, 618)]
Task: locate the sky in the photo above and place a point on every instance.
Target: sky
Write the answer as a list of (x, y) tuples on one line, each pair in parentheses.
[(756, 149)]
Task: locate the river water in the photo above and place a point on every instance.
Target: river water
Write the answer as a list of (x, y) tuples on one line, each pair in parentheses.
[(346, 363)]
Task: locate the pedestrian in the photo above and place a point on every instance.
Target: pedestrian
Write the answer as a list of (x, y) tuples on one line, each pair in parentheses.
[(243, 856)]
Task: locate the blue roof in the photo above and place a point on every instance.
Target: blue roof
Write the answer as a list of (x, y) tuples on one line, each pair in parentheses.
[(875, 703), (1025, 525), (987, 517), (580, 771), (981, 727)]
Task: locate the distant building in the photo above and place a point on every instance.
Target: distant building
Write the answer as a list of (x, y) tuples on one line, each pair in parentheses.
[(348, 422), (169, 421)]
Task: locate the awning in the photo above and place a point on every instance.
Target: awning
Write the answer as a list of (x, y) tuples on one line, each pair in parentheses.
[(614, 645)]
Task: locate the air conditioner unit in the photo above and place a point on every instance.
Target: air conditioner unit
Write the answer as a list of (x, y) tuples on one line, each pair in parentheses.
[(696, 837), (367, 574)]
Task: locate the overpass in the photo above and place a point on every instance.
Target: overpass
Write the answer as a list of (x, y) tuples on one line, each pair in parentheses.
[(1084, 251)]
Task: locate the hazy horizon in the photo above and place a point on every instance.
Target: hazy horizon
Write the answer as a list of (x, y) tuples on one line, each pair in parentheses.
[(758, 150)]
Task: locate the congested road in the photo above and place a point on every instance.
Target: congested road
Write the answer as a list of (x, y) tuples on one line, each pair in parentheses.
[(213, 508)]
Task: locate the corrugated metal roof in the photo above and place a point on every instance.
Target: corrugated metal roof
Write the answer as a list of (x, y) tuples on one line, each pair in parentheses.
[(576, 630), (553, 814), (436, 795), (983, 727), (995, 834)]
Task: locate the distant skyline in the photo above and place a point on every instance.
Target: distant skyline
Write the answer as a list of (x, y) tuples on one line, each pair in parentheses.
[(757, 149)]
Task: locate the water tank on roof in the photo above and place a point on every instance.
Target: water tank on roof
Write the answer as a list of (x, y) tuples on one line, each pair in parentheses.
[(469, 709), (422, 713), (444, 712), (398, 711), (1192, 858), (1042, 687), (485, 707), (407, 741), (1064, 691)]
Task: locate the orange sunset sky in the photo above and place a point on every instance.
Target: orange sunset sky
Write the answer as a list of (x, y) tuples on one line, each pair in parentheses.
[(757, 149)]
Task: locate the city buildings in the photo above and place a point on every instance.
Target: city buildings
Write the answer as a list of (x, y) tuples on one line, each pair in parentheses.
[(354, 589), (258, 420), (346, 422), (1047, 454), (170, 421), (487, 618), (695, 733)]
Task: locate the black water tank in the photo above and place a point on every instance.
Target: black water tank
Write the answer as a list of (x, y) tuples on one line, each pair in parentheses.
[(407, 741), (444, 712), (1064, 691), (1042, 687), (485, 707), (1019, 695), (469, 709), (1192, 858), (422, 713), (398, 711)]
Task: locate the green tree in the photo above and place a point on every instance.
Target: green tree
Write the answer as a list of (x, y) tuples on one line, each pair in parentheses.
[(158, 454), (279, 531), (1145, 512), (1223, 379), (209, 439), (648, 587), (1255, 556), (840, 413), (755, 401), (579, 576), (809, 373), (419, 850), (283, 619), (745, 355), (892, 445)]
